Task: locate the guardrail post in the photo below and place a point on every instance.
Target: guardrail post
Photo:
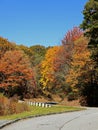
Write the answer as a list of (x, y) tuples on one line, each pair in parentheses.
[(40, 104), (43, 104)]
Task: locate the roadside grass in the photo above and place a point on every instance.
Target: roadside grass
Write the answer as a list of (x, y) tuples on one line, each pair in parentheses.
[(39, 111)]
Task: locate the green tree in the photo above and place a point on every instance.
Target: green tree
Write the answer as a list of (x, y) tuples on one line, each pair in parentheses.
[(39, 53), (90, 26), (90, 22)]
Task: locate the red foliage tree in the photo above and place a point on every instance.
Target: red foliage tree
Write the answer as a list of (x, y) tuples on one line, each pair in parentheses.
[(72, 35)]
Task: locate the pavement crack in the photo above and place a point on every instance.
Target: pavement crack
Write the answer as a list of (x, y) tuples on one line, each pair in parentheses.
[(68, 122)]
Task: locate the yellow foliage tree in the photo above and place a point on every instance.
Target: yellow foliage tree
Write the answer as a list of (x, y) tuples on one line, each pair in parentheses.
[(51, 67)]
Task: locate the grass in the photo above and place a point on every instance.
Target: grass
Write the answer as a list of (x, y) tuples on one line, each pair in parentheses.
[(36, 111)]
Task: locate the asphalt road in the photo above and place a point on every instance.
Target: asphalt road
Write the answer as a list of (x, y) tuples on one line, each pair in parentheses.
[(81, 120)]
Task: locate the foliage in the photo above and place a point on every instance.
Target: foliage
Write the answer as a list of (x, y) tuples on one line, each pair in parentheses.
[(5, 45), (80, 58), (78, 73), (57, 63), (38, 53), (28, 52), (72, 35), (90, 26), (16, 74), (52, 69), (8, 107), (71, 68), (90, 22), (68, 44), (36, 111), (71, 96)]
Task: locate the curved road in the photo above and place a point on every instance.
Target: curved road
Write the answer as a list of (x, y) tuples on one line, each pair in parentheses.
[(81, 120)]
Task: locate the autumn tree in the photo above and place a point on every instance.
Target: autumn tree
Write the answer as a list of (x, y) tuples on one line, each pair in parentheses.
[(16, 74), (72, 35), (68, 44), (79, 65), (5, 45), (53, 69), (26, 50), (57, 62)]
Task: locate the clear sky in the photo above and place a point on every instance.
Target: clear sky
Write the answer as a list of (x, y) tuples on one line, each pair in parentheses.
[(43, 22)]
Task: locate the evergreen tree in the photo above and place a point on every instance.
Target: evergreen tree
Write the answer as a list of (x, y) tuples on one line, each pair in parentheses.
[(90, 26)]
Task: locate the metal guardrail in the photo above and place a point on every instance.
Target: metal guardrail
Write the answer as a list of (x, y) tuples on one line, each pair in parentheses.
[(40, 104)]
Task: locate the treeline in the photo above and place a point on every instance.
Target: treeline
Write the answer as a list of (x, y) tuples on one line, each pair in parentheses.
[(70, 69), (18, 66), (37, 70)]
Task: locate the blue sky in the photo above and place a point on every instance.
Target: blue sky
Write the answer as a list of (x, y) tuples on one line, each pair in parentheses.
[(43, 22)]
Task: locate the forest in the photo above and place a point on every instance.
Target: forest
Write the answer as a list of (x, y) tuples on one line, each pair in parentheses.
[(69, 70)]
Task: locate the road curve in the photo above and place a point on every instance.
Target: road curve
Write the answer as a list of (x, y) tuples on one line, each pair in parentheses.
[(81, 120)]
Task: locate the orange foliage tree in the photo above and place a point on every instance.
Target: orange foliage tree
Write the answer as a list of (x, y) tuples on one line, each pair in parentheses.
[(68, 45), (5, 45), (16, 74), (79, 66)]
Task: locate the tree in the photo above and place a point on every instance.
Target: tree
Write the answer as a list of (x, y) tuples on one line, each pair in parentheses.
[(90, 22), (36, 54), (16, 74), (27, 52), (39, 53), (53, 69), (68, 44), (5, 45), (90, 26), (80, 61), (72, 35)]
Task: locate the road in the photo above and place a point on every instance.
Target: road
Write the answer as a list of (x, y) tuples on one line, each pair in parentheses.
[(81, 120)]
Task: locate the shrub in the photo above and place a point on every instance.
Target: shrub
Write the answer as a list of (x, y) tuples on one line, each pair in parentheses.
[(71, 96), (8, 107), (62, 96), (20, 107), (3, 104)]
